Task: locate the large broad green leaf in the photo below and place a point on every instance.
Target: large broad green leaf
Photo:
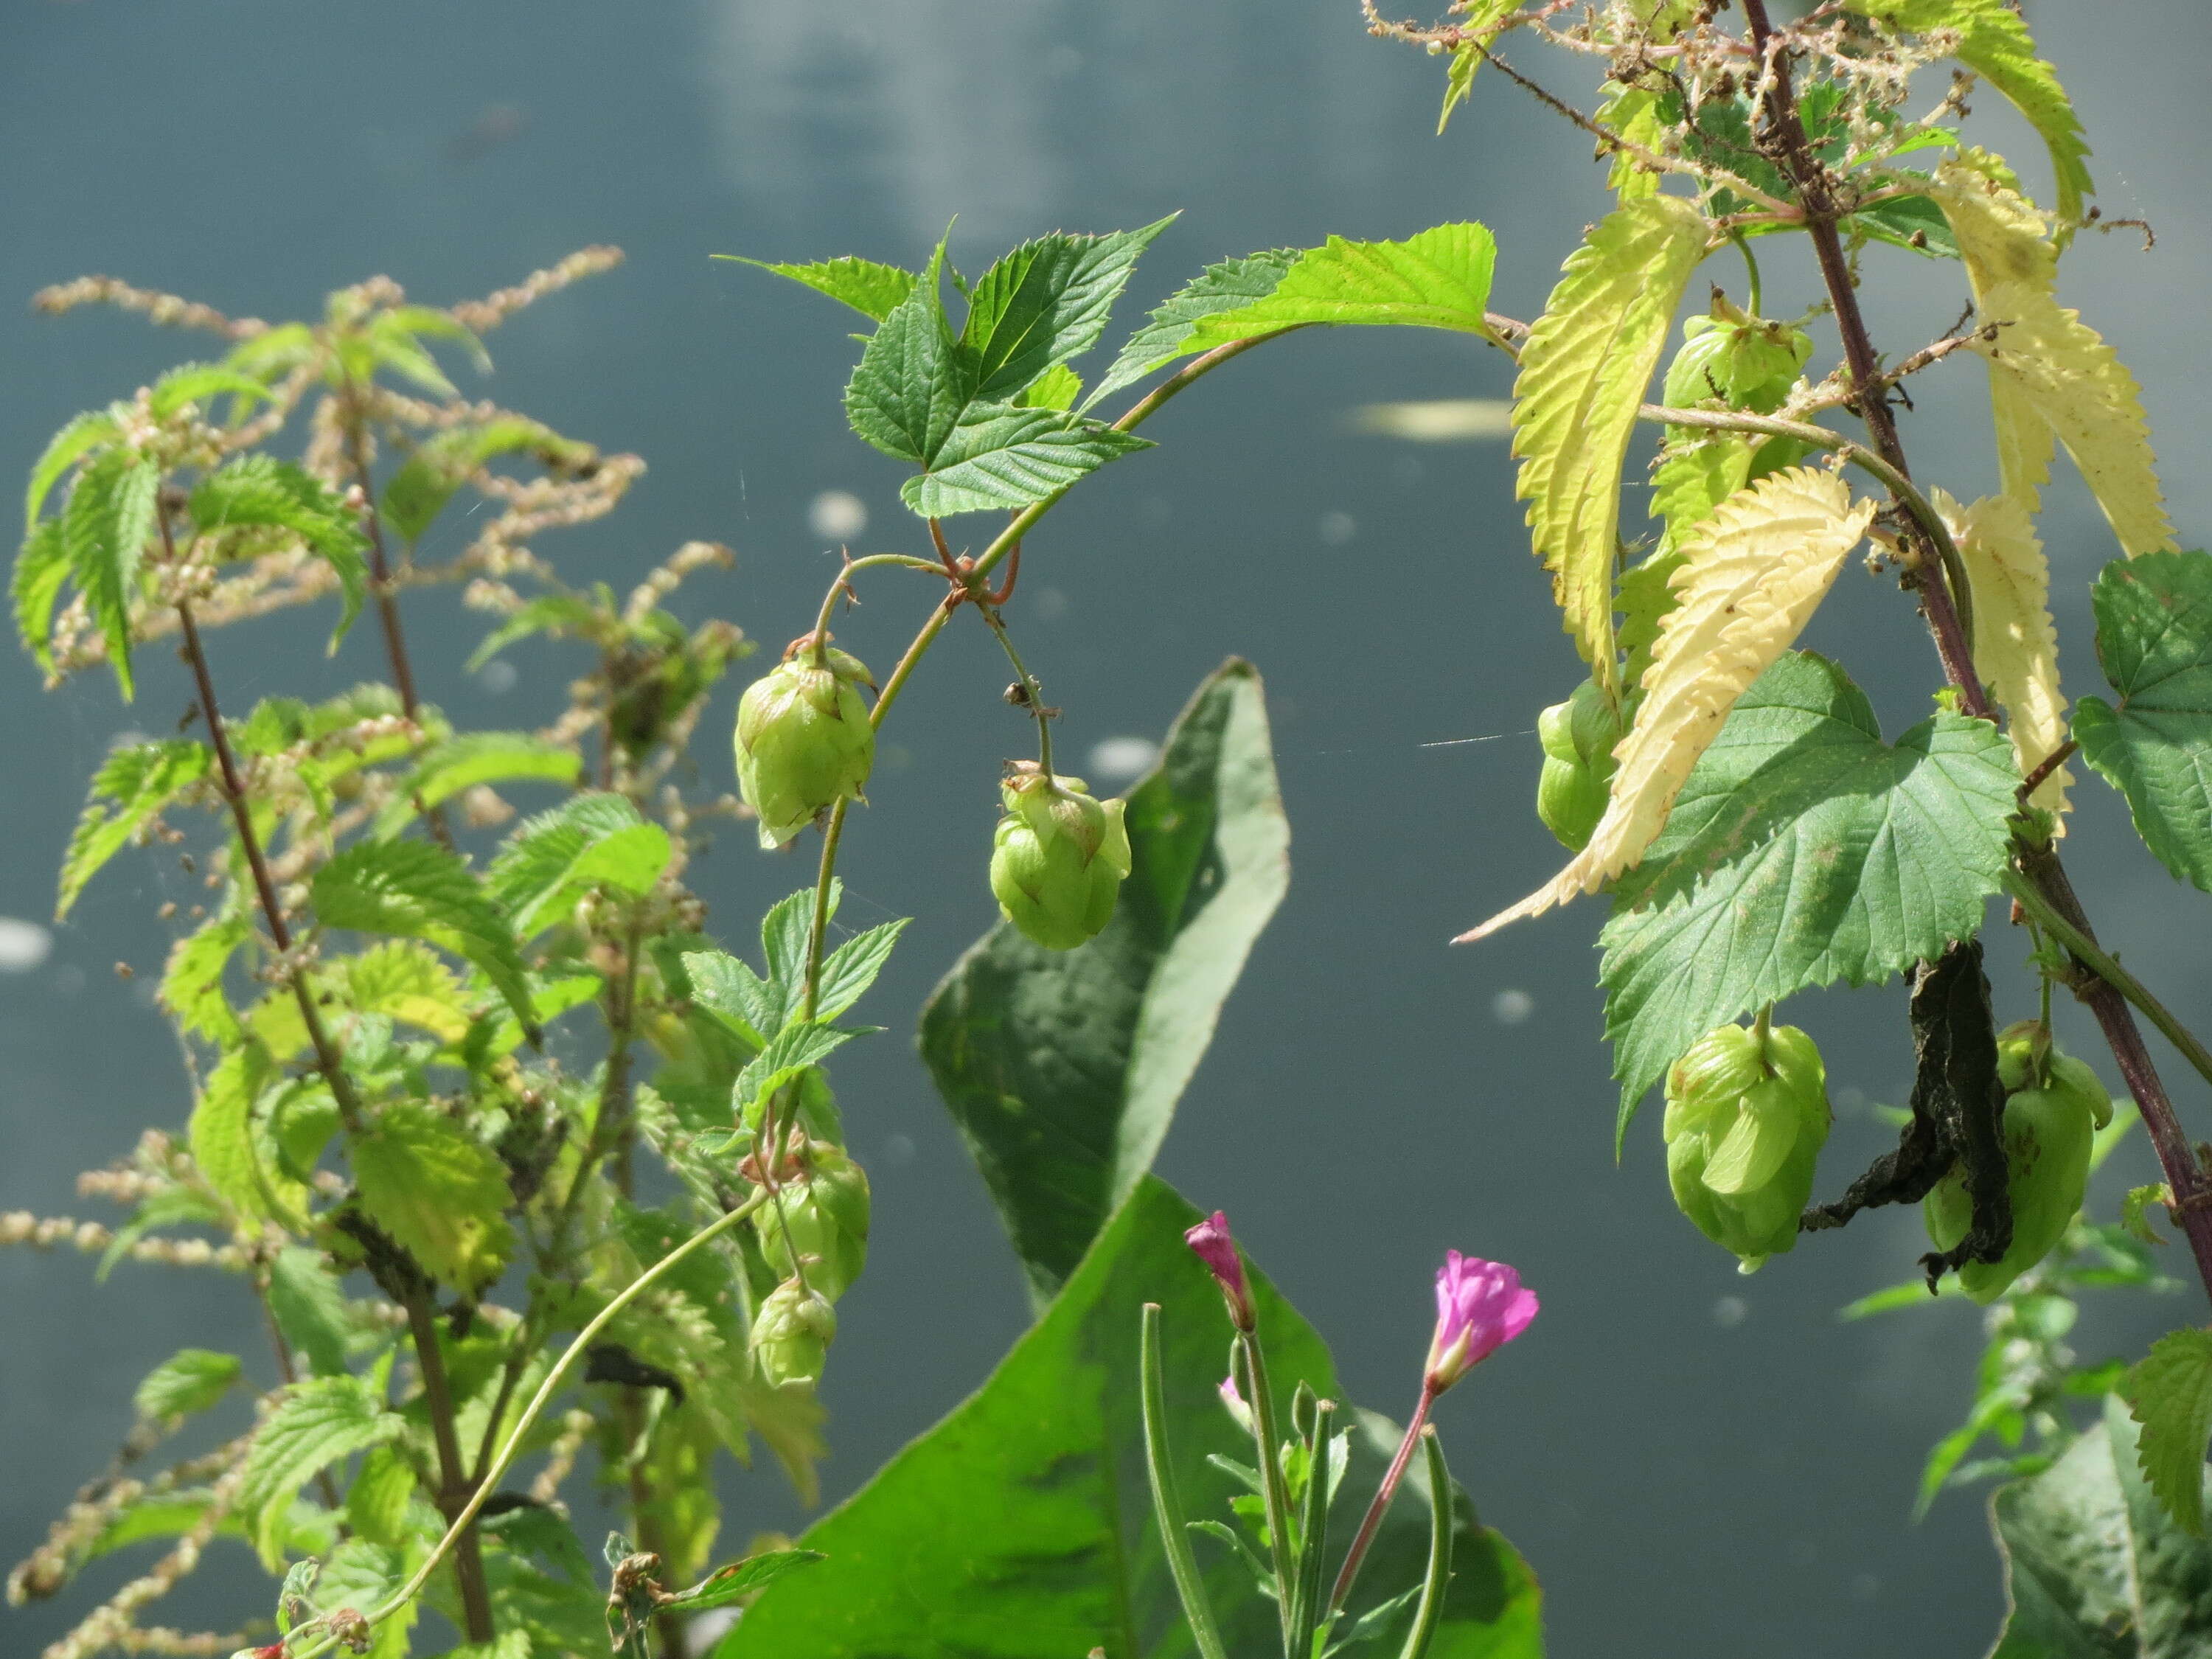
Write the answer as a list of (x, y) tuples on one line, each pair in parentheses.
[(1063, 1067), (2094, 1568), (1802, 850), (2155, 640), (1021, 1526), (1047, 301), (1000, 456)]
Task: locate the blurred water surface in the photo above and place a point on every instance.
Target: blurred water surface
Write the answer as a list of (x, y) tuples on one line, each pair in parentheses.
[(1695, 1463)]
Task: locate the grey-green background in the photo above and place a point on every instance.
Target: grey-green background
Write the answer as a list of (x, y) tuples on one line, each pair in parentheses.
[(1695, 1463)]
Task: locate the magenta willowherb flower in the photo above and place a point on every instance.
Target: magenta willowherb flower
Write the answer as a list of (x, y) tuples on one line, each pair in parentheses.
[(1480, 1307), (1215, 1247)]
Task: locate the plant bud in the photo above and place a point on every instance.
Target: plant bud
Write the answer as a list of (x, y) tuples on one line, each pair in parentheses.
[(1745, 1124), (2049, 1128), (824, 1222), (1578, 737), (803, 742), (791, 1334), (1743, 362), (1058, 858)]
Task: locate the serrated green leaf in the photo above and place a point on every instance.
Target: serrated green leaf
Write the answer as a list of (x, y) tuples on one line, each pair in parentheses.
[(197, 383), (84, 434), (1437, 279), (41, 567), (105, 529), (2094, 1568), (1063, 1068), (2154, 641), (2170, 1394), (1000, 456), (553, 859), (463, 762), (427, 479), (131, 785), (1479, 26), (1802, 850), (436, 1191), (376, 1503), (789, 1052), (188, 1382), (191, 983), (414, 890), (309, 1307), (314, 1424), (363, 1575), (1232, 285), (730, 1584), (1044, 1470), (912, 381), (1045, 302), (872, 289), (221, 1137), (1994, 42), (258, 491), (849, 970), (1058, 387), (1908, 221), (1584, 370)]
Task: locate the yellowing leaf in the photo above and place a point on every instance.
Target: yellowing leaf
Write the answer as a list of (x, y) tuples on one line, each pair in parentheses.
[(2015, 646), (1583, 371), (437, 1192), (2050, 372), (1750, 579)]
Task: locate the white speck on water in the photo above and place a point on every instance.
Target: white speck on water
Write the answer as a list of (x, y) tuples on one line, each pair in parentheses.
[(498, 676), (836, 514), (1865, 1587), (1336, 529), (1511, 1007), (1049, 605), (899, 1149), (1730, 1311), (23, 945), (1117, 758)]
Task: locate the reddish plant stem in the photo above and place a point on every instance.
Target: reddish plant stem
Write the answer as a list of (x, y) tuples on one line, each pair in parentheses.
[(1785, 137), (454, 1487), (1372, 1521)]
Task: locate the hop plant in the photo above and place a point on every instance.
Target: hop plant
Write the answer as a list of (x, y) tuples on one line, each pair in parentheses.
[(1747, 1116), (791, 1334), (803, 742), (1745, 362), (2053, 1107), (820, 1222), (1578, 737), (1059, 856)]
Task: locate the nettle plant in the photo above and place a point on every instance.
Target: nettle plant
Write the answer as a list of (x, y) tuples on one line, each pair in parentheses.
[(487, 1247)]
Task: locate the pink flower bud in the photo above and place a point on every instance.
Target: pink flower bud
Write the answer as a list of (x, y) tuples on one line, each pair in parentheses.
[(1215, 1247), (1480, 1307), (1233, 1402)]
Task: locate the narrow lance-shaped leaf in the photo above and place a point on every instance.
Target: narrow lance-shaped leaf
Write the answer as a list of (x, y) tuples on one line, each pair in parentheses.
[(1063, 1068), (2015, 643), (105, 529), (1751, 579), (83, 434), (1584, 370), (2050, 372), (35, 586), (2155, 640)]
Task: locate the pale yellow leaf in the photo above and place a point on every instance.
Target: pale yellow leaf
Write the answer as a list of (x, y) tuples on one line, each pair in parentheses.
[(1752, 576), (2015, 645), (2050, 372), (1583, 371)]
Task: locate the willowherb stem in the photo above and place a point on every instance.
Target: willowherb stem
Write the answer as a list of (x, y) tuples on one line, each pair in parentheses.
[(1372, 1521)]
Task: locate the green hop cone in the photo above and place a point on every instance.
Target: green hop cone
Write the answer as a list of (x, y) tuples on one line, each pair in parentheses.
[(1578, 737), (823, 1221), (1739, 360), (1745, 1124), (1058, 858), (2048, 1128), (803, 742), (791, 1334)]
